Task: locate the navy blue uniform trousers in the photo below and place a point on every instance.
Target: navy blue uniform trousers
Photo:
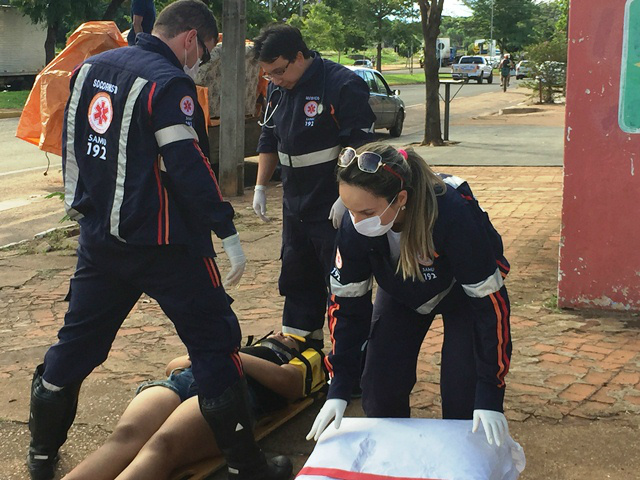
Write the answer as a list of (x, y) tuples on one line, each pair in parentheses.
[(307, 258), (397, 333), (111, 276)]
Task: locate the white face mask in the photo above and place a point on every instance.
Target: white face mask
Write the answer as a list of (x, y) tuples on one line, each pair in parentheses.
[(193, 71), (372, 226)]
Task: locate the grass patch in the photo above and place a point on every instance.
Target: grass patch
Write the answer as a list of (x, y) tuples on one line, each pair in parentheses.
[(408, 79), (552, 304), (389, 56), (15, 99)]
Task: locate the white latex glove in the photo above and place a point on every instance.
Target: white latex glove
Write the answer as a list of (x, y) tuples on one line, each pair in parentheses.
[(337, 212), (494, 424), (233, 249), (332, 408), (260, 202)]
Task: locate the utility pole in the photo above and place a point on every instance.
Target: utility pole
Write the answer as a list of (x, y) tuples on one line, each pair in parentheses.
[(301, 1), (232, 98), (491, 50), (270, 6)]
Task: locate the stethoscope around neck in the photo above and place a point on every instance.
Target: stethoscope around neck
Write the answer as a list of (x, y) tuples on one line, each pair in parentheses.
[(269, 112)]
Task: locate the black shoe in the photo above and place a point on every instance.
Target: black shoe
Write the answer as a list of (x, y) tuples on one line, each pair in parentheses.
[(41, 468)]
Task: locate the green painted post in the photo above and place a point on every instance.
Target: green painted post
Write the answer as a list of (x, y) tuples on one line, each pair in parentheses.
[(628, 112)]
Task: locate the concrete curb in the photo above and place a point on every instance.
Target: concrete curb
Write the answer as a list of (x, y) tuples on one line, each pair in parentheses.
[(10, 113)]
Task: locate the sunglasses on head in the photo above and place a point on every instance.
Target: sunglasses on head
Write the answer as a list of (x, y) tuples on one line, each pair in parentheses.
[(368, 162)]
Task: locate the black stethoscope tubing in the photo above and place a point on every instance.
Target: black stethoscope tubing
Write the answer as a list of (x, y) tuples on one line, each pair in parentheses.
[(268, 116)]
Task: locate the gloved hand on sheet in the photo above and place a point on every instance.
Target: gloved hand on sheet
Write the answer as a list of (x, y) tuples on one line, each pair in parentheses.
[(332, 408), (260, 202), (233, 249), (337, 212), (494, 424)]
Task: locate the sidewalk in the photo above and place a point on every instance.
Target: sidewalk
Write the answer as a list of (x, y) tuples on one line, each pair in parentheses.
[(570, 370)]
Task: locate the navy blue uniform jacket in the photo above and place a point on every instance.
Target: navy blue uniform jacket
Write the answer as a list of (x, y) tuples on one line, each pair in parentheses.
[(135, 152), (469, 265), (308, 143)]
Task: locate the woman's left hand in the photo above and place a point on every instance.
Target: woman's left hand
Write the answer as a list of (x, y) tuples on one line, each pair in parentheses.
[(494, 424)]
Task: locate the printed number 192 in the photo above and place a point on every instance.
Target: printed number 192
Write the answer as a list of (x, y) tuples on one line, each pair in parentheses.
[(99, 151)]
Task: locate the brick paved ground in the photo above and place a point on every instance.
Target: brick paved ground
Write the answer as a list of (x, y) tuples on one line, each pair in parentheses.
[(566, 364)]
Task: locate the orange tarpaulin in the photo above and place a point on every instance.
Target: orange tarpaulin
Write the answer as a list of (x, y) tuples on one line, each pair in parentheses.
[(42, 117)]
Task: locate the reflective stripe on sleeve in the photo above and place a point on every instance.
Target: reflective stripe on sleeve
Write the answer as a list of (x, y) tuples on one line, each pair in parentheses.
[(121, 172), (71, 171), (453, 181), (309, 159), (175, 133), (486, 287), (427, 307), (356, 289)]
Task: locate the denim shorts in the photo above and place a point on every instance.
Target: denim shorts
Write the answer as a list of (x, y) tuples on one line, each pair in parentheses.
[(182, 383)]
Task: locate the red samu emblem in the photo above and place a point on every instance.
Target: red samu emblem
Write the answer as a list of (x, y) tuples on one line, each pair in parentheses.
[(186, 105), (311, 108), (100, 112)]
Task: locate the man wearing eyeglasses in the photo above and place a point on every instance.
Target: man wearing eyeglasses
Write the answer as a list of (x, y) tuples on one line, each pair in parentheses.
[(314, 108), (138, 181)]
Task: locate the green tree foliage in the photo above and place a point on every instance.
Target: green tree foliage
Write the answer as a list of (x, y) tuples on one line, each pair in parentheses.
[(548, 66), (461, 31), (513, 21), (322, 28)]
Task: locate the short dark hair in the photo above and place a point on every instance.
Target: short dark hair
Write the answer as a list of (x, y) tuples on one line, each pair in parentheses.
[(184, 15), (279, 40)]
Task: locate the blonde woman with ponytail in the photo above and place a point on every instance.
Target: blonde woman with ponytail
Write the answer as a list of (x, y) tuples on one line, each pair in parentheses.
[(432, 250)]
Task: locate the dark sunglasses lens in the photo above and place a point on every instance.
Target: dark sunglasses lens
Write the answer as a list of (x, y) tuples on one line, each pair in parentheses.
[(346, 157), (369, 162)]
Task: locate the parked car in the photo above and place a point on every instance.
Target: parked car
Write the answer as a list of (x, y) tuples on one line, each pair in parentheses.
[(364, 62), (472, 67), (523, 69), (385, 103)]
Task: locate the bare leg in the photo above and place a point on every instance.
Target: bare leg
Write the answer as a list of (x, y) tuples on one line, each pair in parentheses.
[(143, 417), (183, 439)]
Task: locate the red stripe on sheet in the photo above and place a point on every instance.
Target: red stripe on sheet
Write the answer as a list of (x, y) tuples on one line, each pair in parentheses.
[(348, 475)]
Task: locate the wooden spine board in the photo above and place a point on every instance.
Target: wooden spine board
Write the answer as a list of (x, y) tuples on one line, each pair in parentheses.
[(203, 469)]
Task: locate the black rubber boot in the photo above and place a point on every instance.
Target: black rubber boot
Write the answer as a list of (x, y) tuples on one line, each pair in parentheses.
[(51, 416), (230, 418)]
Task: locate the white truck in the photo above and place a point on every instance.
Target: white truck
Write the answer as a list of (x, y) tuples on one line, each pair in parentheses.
[(472, 67), (21, 48)]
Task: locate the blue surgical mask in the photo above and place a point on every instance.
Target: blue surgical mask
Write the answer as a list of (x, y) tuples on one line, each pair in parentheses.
[(372, 226)]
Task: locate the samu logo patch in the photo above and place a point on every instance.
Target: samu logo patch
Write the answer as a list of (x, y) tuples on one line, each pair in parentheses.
[(100, 112)]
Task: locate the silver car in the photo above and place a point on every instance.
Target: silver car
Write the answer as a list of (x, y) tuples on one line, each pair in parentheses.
[(385, 103)]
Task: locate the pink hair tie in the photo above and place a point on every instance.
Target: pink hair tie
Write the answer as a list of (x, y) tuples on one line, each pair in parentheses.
[(403, 153)]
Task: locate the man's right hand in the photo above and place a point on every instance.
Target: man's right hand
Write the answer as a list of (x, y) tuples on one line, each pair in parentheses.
[(260, 202)]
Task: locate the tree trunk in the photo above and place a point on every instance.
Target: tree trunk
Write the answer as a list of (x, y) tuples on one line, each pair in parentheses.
[(112, 9), (430, 13), (50, 42)]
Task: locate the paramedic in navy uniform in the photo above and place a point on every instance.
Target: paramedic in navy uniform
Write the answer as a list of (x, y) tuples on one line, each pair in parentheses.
[(138, 180), (314, 108), (432, 250)]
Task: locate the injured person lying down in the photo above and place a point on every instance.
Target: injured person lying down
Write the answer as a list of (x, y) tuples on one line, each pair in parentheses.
[(163, 429)]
